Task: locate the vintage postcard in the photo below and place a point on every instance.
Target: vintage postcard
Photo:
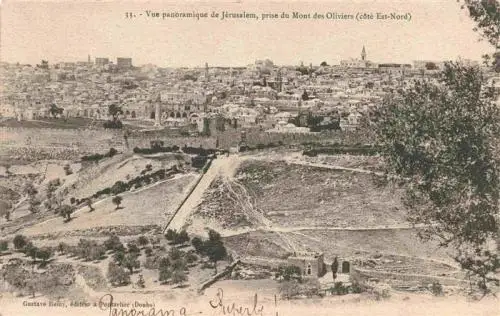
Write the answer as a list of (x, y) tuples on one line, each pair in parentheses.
[(249, 158)]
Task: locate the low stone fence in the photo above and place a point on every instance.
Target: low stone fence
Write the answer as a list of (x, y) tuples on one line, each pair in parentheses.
[(392, 277)]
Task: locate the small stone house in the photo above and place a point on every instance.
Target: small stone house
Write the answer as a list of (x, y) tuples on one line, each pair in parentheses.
[(310, 263)]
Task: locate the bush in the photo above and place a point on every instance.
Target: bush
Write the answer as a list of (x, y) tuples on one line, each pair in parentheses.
[(179, 276), (67, 169), (142, 241), (288, 273), (339, 289), (148, 251), (437, 289), (197, 244), (117, 275), (119, 187), (113, 124), (117, 200), (380, 292), (4, 245), (20, 242), (132, 248), (112, 152), (89, 250), (113, 243), (191, 257)]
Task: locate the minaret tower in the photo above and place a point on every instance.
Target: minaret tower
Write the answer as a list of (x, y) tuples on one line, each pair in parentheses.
[(206, 72), (363, 53)]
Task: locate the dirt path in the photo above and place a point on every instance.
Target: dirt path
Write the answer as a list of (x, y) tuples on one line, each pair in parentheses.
[(220, 166)]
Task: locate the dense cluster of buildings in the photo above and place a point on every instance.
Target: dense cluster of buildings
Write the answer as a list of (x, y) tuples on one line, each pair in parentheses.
[(261, 95)]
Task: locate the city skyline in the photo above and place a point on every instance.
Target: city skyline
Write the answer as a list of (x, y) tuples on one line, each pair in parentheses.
[(437, 31)]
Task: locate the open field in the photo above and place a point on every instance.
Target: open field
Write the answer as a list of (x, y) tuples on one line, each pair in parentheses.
[(69, 123), (153, 205), (297, 195)]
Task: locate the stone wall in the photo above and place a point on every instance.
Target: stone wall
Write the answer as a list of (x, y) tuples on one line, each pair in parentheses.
[(73, 142), (398, 278)]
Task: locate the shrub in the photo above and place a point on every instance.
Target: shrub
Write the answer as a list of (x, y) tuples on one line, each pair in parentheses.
[(119, 187), (380, 292), (113, 243), (117, 275), (67, 169), (437, 289), (191, 257), (131, 262), (288, 273), (164, 270), (4, 245), (62, 248), (179, 276), (20, 242), (119, 257), (142, 241), (117, 200), (113, 124), (132, 248), (197, 244), (148, 251), (339, 289), (289, 289), (112, 152)]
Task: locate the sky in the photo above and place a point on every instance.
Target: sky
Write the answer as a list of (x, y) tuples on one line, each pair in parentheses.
[(61, 30)]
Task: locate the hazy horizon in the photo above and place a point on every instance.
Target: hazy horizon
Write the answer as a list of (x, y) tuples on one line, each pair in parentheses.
[(62, 31)]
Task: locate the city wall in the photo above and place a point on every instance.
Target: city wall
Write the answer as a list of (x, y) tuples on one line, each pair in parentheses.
[(51, 143), (69, 144)]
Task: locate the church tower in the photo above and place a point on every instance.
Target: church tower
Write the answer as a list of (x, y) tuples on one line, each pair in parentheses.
[(363, 53)]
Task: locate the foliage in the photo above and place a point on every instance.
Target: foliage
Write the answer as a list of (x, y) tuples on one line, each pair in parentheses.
[(165, 273), (67, 169), (113, 243), (117, 275), (89, 250), (486, 15), (132, 248), (288, 273), (119, 187), (437, 289), (441, 138), (179, 276), (177, 238), (54, 110), (197, 243), (119, 257), (96, 157), (65, 211), (339, 289), (131, 262), (117, 200), (113, 124), (20, 242), (142, 241), (4, 245)]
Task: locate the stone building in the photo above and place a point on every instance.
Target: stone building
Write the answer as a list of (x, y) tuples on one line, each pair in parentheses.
[(310, 263)]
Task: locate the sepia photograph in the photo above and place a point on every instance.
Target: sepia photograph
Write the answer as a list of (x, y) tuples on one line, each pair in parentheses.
[(249, 158)]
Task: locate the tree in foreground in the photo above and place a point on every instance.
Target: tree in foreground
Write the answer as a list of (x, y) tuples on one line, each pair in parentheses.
[(441, 139)]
